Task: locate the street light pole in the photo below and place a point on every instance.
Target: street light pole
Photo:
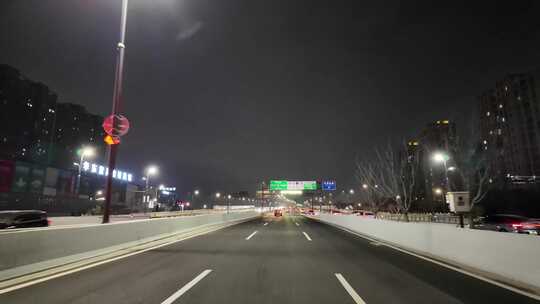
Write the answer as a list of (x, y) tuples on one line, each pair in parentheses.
[(117, 99), (79, 174), (443, 158), (84, 151), (446, 176)]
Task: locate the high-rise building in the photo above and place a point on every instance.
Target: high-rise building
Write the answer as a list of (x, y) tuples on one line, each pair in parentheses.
[(510, 125), (76, 127), (27, 114), (35, 128)]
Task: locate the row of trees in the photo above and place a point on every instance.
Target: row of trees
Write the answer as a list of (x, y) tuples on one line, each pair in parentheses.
[(391, 178)]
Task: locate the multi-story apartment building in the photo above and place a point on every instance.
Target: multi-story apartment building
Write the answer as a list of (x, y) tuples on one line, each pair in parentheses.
[(510, 126)]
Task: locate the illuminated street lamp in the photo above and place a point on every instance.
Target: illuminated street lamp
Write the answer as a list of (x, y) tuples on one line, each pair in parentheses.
[(117, 97), (438, 191), (365, 186), (440, 157), (150, 170), (228, 202), (351, 191), (85, 152), (194, 195), (218, 195)]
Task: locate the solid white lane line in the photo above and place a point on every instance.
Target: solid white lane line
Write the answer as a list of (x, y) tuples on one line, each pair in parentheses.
[(186, 287), (307, 236), (425, 258), (357, 299), (265, 224), (251, 235), (98, 263), (375, 243)]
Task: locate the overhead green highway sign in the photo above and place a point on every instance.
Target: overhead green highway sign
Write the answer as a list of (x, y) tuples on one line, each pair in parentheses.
[(279, 185)]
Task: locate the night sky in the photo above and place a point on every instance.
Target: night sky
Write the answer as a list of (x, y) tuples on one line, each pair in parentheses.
[(224, 93)]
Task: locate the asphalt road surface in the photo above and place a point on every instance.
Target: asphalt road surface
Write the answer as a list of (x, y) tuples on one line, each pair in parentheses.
[(271, 260)]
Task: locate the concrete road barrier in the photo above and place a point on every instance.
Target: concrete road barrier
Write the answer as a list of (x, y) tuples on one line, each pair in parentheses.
[(37, 249), (510, 258)]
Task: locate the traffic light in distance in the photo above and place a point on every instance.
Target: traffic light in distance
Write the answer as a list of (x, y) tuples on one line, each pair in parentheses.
[(110, 140)]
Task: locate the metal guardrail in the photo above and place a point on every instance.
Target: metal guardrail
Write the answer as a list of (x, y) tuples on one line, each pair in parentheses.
[(444, 218)]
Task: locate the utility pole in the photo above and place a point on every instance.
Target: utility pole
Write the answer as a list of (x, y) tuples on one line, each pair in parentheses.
[(117, 99), (262, 196)]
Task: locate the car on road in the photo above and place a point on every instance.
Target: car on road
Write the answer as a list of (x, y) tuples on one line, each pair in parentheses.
[(500, 222), (23, 219), (531, 226), (278, 212)]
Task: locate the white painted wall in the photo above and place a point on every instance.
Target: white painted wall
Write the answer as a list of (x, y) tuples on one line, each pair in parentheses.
[(514, 258)]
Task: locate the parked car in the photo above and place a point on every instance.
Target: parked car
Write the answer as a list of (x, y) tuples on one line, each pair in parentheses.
[(23, 219), (531, 226), (500, 222)]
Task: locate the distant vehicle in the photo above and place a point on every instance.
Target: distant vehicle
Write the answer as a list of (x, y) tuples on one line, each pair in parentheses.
[(278, 212), (531, 226), (501, 222), (23, 219)]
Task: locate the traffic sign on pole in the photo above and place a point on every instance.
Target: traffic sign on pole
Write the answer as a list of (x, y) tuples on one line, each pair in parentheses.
[(111, 140), (116, 125), (329, 185)]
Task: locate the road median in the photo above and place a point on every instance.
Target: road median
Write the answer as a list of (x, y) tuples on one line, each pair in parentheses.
[(36, 253)]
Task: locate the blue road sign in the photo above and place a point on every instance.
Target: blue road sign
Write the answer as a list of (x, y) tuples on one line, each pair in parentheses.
[(329, 185)]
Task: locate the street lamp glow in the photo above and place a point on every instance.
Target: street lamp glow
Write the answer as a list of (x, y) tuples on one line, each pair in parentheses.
[(218, 195), (196, 192), (451, 168), (229, 196), (99, 192), (351, 191), (365, 186), (438, 191), (87, 151), (151, 170), (440, 157)]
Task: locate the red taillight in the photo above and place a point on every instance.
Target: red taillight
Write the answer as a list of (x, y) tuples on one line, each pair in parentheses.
[(517, 225), (49, 222)]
